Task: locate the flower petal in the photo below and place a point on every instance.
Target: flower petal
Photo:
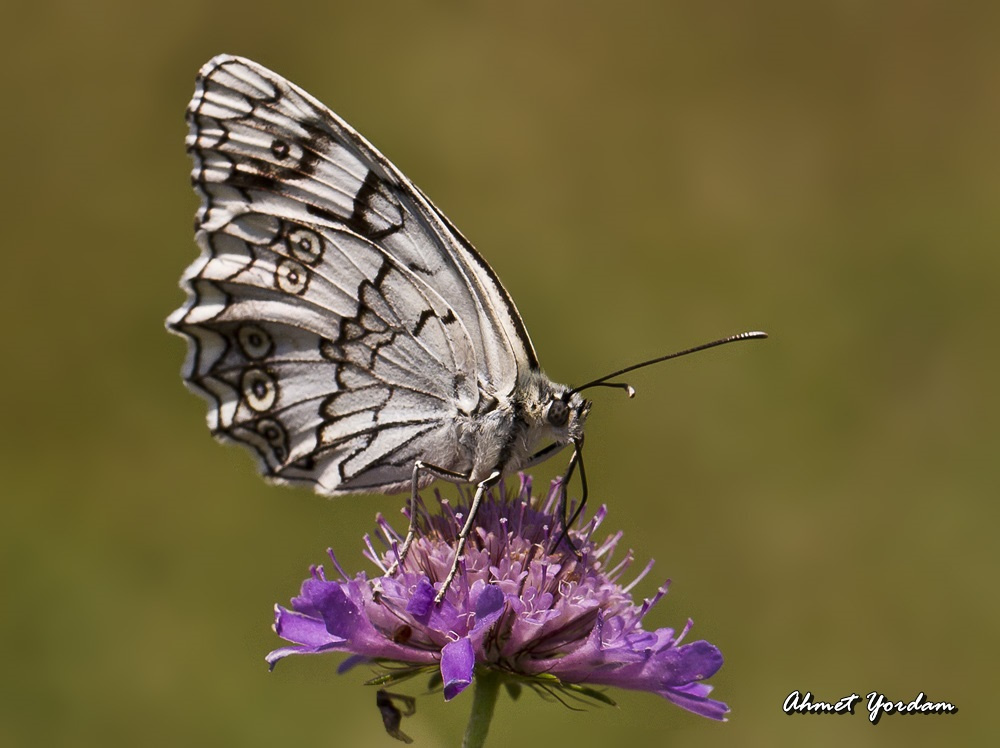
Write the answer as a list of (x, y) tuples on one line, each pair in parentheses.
[(693, 697), (423, 598), (301, 629), (489, 606), (457, 663), (689, 662), (339, 614)]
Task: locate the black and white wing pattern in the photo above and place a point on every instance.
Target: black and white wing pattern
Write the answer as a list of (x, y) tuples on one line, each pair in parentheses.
[(338, 324)]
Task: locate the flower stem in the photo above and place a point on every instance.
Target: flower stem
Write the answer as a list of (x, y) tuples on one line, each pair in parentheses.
[(486, 686)]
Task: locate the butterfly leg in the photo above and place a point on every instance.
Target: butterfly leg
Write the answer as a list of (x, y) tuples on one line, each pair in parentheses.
[(576, 459), (567, 522), (463, 534), (419, 467)]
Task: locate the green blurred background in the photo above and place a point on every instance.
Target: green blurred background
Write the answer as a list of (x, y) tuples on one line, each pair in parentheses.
[(643, 176)]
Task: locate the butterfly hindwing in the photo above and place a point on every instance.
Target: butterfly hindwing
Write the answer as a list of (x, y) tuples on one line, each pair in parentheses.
[(337, 325)]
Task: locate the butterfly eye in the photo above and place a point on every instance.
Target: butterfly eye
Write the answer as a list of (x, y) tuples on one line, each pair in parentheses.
[(558, 413)]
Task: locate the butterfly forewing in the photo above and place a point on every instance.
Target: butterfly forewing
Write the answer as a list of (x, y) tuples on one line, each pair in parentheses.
[(295, 158), (338, 323)]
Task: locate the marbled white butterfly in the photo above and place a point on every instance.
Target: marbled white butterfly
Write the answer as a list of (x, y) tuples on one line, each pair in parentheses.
[(338, 324)]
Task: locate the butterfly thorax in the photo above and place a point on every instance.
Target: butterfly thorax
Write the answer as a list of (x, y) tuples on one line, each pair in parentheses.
[(507, 433)]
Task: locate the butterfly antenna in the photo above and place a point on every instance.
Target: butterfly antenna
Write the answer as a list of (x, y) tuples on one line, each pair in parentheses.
[(629, 389), (603, 381)]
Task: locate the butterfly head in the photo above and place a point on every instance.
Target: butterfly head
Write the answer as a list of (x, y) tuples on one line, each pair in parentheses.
[(565, 413)]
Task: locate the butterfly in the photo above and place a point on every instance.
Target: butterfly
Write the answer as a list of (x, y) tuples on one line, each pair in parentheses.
[(339, 325)]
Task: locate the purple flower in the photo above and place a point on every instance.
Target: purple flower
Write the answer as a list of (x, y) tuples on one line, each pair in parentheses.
[(536, 614)]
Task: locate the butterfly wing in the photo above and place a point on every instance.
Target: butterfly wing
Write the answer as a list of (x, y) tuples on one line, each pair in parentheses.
[(338, 324)]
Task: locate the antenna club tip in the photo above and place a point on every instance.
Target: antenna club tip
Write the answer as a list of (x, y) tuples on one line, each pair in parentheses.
[(753, 334), (630, 391)]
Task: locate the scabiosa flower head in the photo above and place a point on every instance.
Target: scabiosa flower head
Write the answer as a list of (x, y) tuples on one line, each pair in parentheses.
[(527, 604)]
